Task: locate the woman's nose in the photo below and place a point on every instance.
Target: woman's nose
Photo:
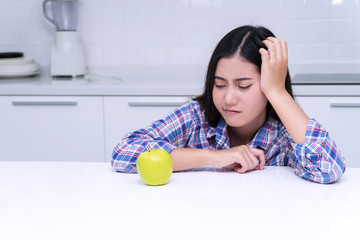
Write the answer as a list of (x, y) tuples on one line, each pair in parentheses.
[(230, 97)]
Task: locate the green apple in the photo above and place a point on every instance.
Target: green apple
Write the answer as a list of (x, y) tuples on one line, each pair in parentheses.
[(154, 167)]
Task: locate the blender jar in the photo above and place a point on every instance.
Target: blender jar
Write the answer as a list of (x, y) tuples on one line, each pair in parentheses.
[(64, 14)]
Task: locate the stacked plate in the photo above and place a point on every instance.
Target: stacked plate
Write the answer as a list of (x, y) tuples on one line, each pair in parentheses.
[(14, 64)]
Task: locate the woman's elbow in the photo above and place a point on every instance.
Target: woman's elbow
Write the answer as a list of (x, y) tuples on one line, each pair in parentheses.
[(330, 174), (121, 162), (125, 167)]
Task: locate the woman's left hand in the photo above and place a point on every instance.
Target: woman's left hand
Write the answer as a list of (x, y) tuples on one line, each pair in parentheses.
[(274, 66)]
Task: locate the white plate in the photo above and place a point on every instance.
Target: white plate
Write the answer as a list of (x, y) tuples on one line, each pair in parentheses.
[(18, 74), (19, 70), (16, 61)]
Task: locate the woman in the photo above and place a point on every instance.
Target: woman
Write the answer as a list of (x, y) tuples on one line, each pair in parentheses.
[(246, 117)]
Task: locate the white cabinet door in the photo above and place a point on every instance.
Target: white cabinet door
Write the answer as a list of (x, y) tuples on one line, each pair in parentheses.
[(126, 114), (341, 117), (52, 128)]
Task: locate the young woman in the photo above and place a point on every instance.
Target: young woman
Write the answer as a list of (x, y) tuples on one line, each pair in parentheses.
[(246, 117)]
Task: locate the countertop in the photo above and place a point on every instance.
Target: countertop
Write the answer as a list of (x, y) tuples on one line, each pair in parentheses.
[(73, 200), (122, 81), (161, 81)]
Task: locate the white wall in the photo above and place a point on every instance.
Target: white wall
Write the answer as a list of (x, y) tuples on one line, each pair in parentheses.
[(172, 32)]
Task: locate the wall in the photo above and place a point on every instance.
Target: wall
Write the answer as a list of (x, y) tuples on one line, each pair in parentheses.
[(173, 32)]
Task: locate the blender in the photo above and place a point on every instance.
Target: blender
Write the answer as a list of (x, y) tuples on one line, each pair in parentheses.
[(67, 54)]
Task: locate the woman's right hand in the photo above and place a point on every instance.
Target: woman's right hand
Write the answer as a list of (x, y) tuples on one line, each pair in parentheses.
[(241, 159)]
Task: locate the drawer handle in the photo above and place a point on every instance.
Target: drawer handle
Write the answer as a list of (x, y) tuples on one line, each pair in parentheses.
[(155, 104), (345, 104), (44, 103)]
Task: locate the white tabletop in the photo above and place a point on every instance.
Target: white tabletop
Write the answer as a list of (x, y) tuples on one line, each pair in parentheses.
[(54, 200)]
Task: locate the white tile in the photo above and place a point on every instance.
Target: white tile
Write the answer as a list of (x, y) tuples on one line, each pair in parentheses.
[(199, 33), (93, 54), (318, 9), (317, 53), (344, 31), (200, 3), (156, 55), (178, 33), (9, 33), (249, 11), (113, 11), (226, 10), (40, 52), (267, 10), (113, 33), (187, 31), (200, 54), (296, 53), (91, 33), (91, 11), (8, 12), (201, 11), (179, 54), (135, 55), (344, 52), (345, 9), (135, 33), (294, 9), (114, 55), (178, 11), (9, 47), (134, 11), (156, 34), (34, 34), (316, 32), (30, 12), (218, 31), (156, 11)]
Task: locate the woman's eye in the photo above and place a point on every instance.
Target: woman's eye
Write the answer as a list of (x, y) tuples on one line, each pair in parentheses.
[(219, 86), (245, 87)]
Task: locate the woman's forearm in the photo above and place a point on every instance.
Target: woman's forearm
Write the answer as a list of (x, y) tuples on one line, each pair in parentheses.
[(240, 158), (186, 158), (273, 77), (291, 115)]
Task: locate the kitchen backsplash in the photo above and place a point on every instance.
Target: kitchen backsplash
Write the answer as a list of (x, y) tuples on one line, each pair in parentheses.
[(185, 32)]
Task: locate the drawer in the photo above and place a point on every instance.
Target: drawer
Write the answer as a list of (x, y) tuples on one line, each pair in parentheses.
[(52, 128)]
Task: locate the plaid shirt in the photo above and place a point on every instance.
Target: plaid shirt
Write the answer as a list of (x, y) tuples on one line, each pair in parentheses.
[(317, 160)]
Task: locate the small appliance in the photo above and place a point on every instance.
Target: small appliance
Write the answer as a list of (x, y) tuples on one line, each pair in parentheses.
[(67, 55)]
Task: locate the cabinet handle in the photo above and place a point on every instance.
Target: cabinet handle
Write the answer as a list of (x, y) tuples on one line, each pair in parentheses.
[(345, 104), (155, 104), (44, 103)]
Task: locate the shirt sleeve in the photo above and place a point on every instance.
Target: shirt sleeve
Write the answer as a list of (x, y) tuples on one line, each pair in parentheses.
[(167, 133), (318, 159)]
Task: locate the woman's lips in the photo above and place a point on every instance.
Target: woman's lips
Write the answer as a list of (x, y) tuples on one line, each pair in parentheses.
[(231, 111)]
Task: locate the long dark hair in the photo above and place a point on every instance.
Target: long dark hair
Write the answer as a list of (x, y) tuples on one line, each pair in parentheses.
[(245, 41)]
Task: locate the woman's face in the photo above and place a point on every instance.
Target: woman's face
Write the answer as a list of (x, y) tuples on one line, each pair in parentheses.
[(237, 93)]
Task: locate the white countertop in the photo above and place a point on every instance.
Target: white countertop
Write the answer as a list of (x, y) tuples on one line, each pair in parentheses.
[(141, 81), (123, 81), (65, 200)]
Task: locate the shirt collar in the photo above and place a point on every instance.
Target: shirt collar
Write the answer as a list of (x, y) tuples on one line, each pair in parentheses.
[(260, 139), (221, 134)]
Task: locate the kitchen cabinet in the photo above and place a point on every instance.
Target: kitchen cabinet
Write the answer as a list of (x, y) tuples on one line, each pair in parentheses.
[(125, 114), (340, 116), (51, 128), (83, 120)]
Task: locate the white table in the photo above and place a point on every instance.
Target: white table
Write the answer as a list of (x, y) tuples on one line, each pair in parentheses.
[(53, 200)]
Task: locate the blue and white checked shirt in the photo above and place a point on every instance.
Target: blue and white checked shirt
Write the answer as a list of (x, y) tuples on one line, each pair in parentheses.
[(317, 160)]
